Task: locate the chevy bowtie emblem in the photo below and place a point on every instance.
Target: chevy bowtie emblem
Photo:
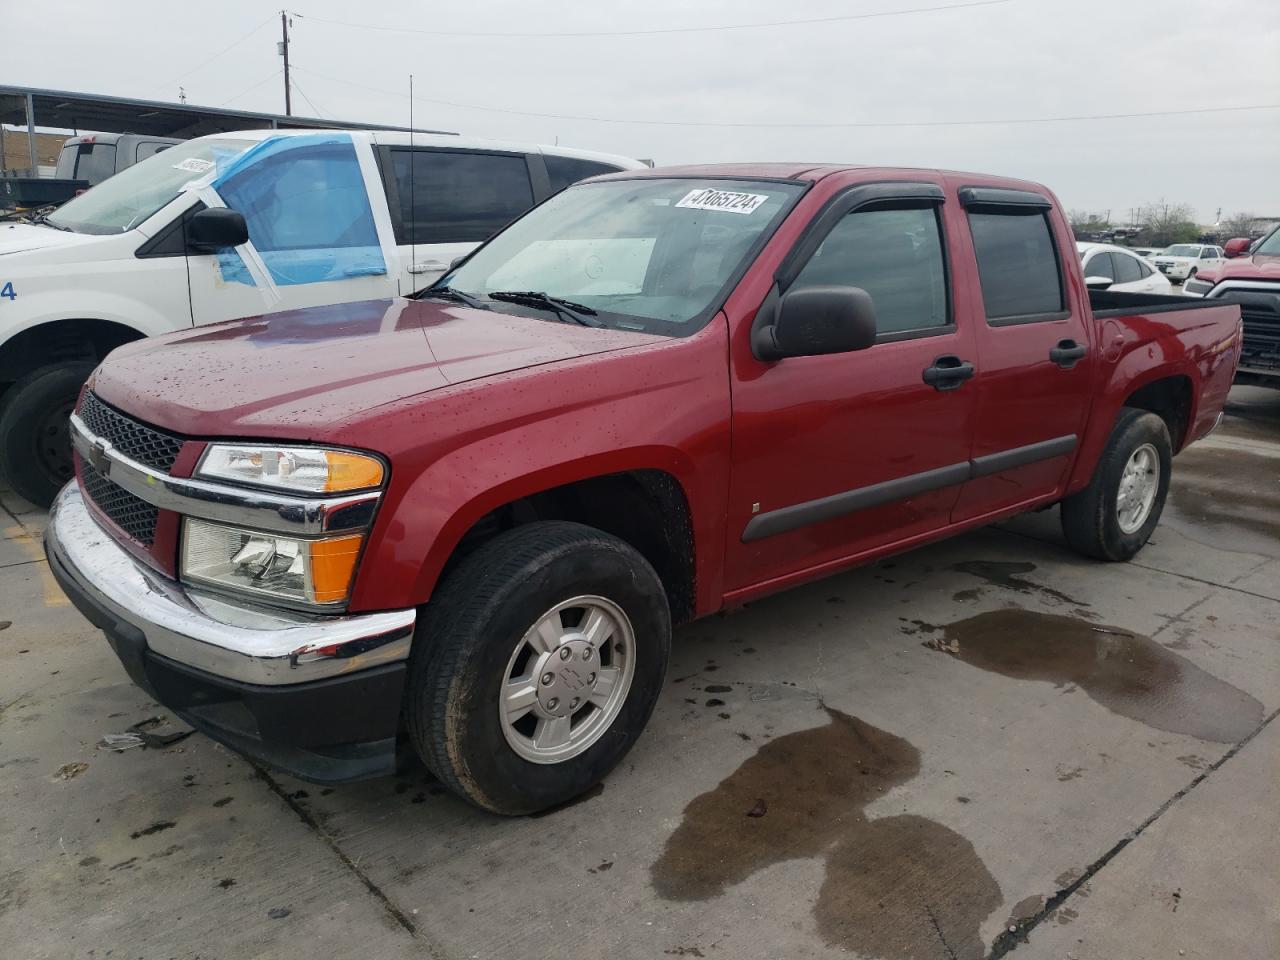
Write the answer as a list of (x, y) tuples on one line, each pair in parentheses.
[(98, 457)]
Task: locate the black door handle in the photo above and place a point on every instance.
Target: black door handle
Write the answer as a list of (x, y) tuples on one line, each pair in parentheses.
[(948, 372), (1066, 353)]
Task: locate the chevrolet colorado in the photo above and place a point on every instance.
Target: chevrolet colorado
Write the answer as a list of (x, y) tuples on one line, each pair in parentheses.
[(467, 519)]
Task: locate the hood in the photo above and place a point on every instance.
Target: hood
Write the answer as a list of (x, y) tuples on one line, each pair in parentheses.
[(20, 237), (1256, 267), (295, 374), (1172, 258)]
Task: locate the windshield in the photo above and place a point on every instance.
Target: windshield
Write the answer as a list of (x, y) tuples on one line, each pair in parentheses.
[(122, 202), (645, 254), (1183, 250)]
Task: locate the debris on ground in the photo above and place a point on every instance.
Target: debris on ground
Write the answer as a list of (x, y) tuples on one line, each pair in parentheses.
[(946, 646), (278, 913), (69, 770), (5, 624), (759, 810), (153, 732)]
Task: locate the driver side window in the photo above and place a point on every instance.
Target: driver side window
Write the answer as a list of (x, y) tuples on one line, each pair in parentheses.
[(896, 256)]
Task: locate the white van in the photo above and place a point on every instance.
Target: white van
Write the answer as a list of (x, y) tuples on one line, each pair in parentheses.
[(235, 225)]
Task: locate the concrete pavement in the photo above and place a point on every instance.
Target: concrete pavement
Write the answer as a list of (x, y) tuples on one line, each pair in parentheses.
[(907, 760)]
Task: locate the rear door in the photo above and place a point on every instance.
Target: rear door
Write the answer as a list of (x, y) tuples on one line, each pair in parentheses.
[(444, 202), (835, 456), (1034, 350)]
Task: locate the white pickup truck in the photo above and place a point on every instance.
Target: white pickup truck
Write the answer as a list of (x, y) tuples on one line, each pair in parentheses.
[(236, 225)]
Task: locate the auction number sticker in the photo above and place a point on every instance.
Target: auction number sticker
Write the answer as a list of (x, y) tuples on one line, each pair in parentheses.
[(708, 199), (194, 165)]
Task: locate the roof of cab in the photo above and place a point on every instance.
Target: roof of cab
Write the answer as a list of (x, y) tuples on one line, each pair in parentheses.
[(809, 173)]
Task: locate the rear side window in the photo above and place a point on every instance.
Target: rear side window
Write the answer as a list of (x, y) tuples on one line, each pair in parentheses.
[(1127, 269), (564, 171), (896, 256), (1017, 264), (1100, 265), (453, 197)]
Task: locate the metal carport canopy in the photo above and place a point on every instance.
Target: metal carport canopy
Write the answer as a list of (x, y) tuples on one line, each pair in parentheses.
[(91, 112)]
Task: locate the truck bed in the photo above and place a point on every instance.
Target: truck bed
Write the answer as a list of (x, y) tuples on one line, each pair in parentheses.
[(1107, 303)]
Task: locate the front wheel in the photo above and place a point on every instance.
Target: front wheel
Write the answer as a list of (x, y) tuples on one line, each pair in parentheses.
[(1113, 517), (35, 430), (536, 665)]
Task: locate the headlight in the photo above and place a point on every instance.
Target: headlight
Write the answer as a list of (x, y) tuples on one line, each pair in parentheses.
[(294, 469), (282, 568)]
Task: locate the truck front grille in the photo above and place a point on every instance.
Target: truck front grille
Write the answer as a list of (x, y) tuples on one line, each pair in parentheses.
[(1261, 339), (135, 440), (135, 517)]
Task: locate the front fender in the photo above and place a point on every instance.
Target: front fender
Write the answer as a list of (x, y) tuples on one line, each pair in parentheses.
[(502, 440)]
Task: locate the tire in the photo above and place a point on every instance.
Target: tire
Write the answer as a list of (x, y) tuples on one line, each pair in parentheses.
[(1092, 519), (474, 633), (35, 435)]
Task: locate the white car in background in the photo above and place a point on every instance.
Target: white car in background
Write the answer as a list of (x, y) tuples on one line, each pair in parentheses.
[(1128, 272), (1185, 260)]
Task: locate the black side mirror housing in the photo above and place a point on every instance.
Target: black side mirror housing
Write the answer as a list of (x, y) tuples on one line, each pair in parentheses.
[(216, 229), (813, 321)]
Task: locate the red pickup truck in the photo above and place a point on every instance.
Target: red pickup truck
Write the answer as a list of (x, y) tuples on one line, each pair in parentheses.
[(1250, 277), (467, 520)]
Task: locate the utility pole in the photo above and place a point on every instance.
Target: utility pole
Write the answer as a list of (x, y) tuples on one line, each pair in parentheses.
[(284, 52)]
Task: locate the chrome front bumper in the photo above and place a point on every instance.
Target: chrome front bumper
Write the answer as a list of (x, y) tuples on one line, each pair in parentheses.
[(235, 641)]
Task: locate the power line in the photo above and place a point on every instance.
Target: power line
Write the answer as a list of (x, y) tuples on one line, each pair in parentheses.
[(225, 49), (805, 126), (298, 87), (485, 34), (271, 76)]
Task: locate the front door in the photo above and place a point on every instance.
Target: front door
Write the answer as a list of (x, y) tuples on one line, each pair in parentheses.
[(314, 237), (1036, 355), (835, 456)]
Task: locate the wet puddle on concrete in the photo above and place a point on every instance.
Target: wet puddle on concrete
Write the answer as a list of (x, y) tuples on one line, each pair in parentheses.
[(1129, 674), (1005, 574), (896, 887)]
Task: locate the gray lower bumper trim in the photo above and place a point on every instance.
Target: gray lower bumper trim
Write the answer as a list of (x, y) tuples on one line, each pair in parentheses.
[(237, 641)]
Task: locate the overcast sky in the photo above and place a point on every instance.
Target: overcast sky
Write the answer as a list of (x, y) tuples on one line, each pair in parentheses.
[(1005, 59)]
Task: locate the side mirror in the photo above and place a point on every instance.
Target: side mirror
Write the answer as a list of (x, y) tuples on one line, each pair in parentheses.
[(1098, 283), (216, 229), (456, 262), (1236, 247), (817, 320)]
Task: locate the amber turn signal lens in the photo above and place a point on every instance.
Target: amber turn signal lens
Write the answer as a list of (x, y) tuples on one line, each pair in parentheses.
[(352, 471), (333, 565)]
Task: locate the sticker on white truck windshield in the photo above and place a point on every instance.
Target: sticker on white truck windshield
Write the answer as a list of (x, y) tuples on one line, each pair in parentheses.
[(194, 165), (725, 200)]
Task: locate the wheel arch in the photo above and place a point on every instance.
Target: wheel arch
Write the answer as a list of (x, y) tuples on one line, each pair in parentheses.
[(643, 500), (73, 339)]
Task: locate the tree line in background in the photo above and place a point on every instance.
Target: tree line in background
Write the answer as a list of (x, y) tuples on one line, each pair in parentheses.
[(1159, 225)]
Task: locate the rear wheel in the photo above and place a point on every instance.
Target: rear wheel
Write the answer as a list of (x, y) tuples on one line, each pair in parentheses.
[(536, 665), (35, 430), (1113, 517)]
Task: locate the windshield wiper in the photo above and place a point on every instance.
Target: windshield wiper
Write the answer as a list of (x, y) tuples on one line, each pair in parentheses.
[(450, 293), (577, 312), (44, 219)]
